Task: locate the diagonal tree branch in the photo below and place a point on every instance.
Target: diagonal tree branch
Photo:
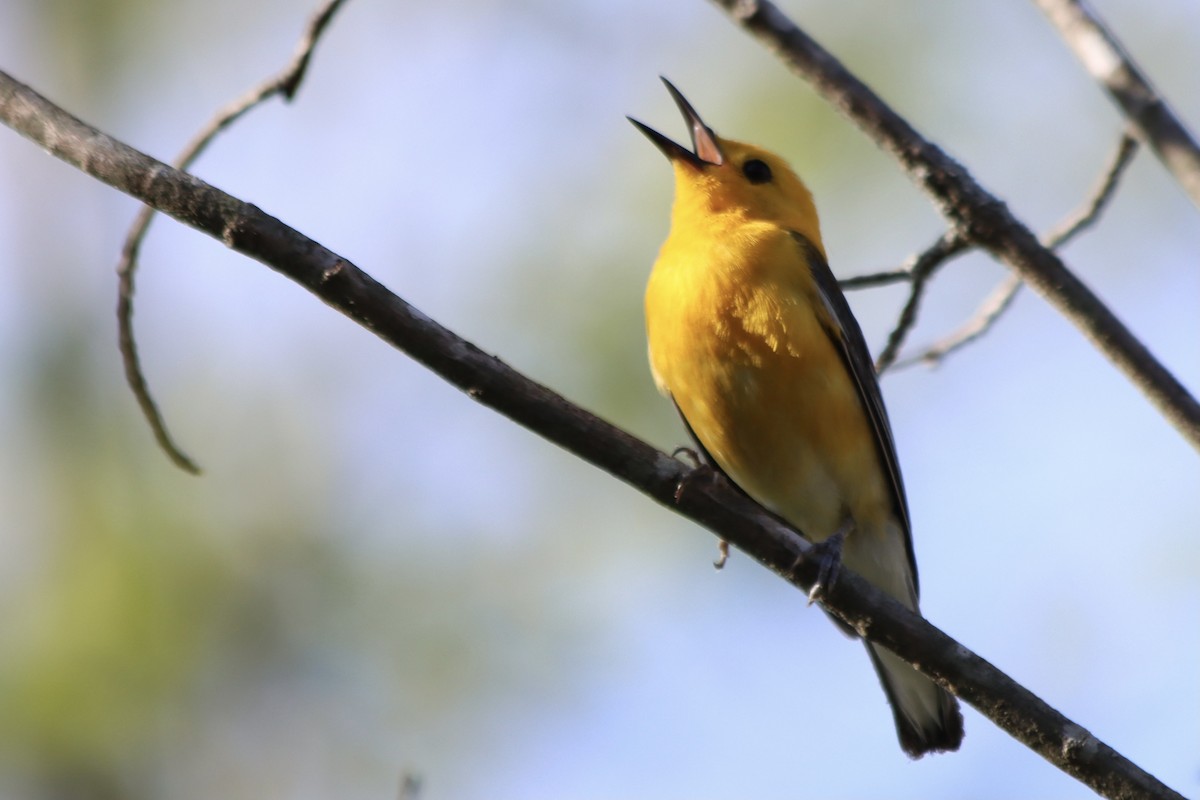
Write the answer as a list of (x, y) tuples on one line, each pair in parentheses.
[(977, 215), (286, 83), (714, 504), (1148, 113)]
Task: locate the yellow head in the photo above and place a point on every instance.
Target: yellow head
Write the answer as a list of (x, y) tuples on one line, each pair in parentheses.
[(724, 177)]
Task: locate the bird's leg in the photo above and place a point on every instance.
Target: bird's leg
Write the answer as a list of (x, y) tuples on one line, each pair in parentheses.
[(700, 471), (829, 557)]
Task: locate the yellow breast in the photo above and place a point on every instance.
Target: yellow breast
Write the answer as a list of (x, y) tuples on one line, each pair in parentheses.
[(738, 340)]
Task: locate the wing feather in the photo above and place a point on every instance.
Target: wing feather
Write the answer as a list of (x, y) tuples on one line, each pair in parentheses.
[(852, 347)]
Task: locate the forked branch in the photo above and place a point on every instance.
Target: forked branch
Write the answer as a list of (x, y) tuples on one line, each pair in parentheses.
[(970, 210), (1001, 297)]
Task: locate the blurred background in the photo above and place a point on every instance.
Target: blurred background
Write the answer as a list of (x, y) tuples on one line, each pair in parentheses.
[(375, 578)]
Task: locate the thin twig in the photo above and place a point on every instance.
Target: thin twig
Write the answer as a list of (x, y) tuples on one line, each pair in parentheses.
[(916, 270), (1001, 297), (1147, 111), (286, 83), (1089, 211), (990, 310), (981, 217), (874, 279), (932, 258), (922, 268), (716, 504)]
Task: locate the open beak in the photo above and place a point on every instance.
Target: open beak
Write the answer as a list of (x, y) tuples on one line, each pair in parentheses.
[(704, 141)]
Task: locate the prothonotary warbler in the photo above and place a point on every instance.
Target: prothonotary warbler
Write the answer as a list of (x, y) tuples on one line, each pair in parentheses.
[(753, 340)]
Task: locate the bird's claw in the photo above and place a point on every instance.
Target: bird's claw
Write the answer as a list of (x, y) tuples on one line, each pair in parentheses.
[(690, 454), (722, 554), (829, 564), (700, 471)]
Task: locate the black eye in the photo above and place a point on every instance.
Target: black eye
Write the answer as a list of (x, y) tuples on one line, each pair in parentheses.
[(756, 171)]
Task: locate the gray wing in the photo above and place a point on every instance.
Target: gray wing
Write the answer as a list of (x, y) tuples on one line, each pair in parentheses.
[(857, 358)]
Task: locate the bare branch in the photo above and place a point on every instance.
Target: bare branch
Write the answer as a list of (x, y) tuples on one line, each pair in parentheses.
[(980, 323), (1146, 110), (1089, 212), (980, 217), (1005, 292), (921, 268), (286, 83), (714, 504), (932, 257), (873, 279), (917, 269)]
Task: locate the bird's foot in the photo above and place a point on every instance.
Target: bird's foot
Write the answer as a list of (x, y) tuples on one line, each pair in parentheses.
[(700, 472), (829, 562)]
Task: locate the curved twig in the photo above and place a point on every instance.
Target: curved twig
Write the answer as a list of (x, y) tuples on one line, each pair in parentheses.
[(286, 83), (1089, 212)]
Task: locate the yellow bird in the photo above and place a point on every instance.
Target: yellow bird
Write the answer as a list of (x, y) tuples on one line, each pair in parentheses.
[(753, 340)]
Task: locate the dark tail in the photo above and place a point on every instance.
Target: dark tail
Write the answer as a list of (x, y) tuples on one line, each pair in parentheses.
[(928, 719)]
